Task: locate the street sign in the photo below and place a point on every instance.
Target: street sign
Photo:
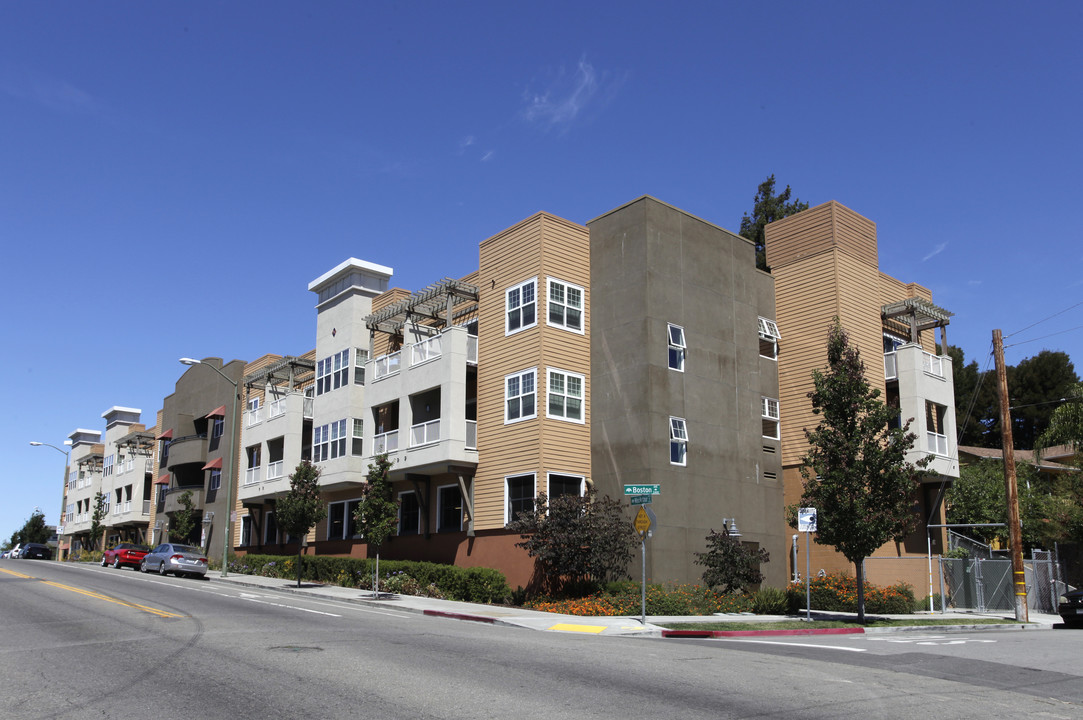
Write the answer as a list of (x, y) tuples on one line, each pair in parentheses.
[(642, 489), (640, 499), (806, 519), (642, 523)]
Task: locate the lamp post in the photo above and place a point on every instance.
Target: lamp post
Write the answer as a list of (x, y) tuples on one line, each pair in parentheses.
[(63, 495), (230, 457)]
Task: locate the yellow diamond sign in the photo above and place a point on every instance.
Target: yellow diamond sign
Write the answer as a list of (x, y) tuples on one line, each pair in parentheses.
[(642, 523)]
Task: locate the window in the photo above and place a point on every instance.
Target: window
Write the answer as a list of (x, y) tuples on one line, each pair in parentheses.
[(676, 348), (253, 404), (340, 370), (518, 496), (521, 306), (409, 513), (323, 376), (270, 529), (678, 441), (216, 479), (565, 396), (246, 530), (450, 511), (341, 524), (565, 485), (769, 411), (360, 357), (107, 466), (935, 428), (217, 428), (769, 337), (519, 396), (357, 446), (329, 441), (565, 303)]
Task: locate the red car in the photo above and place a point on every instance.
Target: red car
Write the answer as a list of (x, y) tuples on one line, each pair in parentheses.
[(123, 554)]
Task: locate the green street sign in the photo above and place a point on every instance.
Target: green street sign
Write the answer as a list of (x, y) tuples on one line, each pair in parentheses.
[(642, 489), (641, 500)]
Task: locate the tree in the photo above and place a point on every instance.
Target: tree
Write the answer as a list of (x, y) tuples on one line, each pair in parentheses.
[(976, 406), (731, 565), (377, 513), (767, 207), (1065, 424), (855, 473), (577, 541), (33, 530), (184, 520), (301, 507), (96, 517)]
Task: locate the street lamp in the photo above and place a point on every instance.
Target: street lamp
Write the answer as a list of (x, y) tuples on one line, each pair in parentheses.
[(67, 461), (230, 457)]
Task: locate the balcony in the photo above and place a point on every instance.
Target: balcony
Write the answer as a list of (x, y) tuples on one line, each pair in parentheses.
[(251, 475), (188, 449), (932, 364), (386, 365), (425, 351), (387, 442), (425, 433), (172, 498), (936, 443), (253, 417)]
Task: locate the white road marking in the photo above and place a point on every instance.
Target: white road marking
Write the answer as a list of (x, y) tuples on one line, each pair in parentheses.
[(794, 644)]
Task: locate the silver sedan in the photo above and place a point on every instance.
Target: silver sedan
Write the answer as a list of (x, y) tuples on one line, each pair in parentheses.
[(177, 559)]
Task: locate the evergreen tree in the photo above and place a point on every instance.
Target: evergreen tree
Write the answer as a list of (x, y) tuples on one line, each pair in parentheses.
[(767, 207), (855, 473), (301, 507), (184, 520), (96, 527)]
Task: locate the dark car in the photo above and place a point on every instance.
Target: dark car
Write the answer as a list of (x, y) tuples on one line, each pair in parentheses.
[(1071, 607), (125, 553), (35, 551)]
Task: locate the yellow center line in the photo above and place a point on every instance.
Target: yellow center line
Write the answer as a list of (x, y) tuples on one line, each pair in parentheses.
[(97, 596)]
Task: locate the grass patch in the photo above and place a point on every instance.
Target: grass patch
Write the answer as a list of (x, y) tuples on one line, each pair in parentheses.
[(829, 624)]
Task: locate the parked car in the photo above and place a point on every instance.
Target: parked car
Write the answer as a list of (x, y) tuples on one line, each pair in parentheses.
[(1071, 607), (15, 551), (125, 553), (6, 553), (35, 551), (177, 559)]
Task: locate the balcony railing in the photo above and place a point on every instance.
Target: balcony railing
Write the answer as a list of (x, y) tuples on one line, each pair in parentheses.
[(386, 365), (425, 350), (472, 349), (387, 442), (276, 469), (891, 365), (472, 434), (307, 408), (938, 443), (425, 433), (932, 364), (253, 416), (146, 507), (251, 475), (127, 506), (276, 407)]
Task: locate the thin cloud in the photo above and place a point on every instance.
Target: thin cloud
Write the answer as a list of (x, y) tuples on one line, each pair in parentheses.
[(566, 97), (465, 143), (488, 155), (936, 251), (56, 95)]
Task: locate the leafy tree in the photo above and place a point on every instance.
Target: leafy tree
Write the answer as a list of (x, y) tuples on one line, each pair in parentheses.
[(301, 507), (577, 541), (184, 520), (377, 513), (855, 473), (33, 530), (976, 406), (767, 208), (1065, 424), (731, 565), (96, 517)]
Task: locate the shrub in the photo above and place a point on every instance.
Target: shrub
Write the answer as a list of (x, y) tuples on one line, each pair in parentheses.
[(626, 599), (838, 593), (769, 601)]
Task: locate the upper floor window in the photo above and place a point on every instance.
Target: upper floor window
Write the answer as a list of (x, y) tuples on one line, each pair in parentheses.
[(676, 347), (360, 358), (357, 446), (770, 416), (340, 369), (565, 303), (565, 396), (329, 441), (216, 479), (522, 306), (218, 427), (769, 337), (678, 441), (520, 396)]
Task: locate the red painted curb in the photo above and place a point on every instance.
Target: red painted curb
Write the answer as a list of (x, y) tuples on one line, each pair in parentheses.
[(459, 616), (747, 633)]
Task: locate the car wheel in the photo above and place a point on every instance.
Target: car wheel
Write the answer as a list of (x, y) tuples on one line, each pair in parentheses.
[(162, 570), (103, 561), (116, 563)]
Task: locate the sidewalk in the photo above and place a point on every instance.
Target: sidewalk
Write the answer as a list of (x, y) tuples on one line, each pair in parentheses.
[(630, 626)]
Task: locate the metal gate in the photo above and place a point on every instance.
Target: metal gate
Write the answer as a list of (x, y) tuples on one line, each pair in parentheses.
[(981, 584)]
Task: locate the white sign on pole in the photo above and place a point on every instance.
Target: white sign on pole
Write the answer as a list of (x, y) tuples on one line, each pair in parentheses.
[(806, 519)]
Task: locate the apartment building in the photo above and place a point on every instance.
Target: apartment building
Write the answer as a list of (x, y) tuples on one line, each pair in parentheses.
[(84, 483), (195, 435), (825, 264), (127, 476)]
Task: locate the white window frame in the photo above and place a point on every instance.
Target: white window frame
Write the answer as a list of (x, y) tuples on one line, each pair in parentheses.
[(768, 334), (517, 309), (564, 393), (440, 506), (215, 481), (676, 347), (549, 484), (769, 413), (508, 517), (556, 287), (508, 397), (678, 439), (361, 356)]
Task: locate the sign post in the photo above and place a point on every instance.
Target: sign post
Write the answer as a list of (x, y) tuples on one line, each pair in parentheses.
[(806, 523), (642, 524)]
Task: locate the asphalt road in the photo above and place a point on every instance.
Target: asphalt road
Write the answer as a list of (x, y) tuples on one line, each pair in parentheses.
[(87, 642)]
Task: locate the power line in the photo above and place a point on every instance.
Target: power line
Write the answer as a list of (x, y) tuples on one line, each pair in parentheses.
[(1043, 337), (1061, 312)]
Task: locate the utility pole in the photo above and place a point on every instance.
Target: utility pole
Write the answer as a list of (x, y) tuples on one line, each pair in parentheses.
[(1015, 532)]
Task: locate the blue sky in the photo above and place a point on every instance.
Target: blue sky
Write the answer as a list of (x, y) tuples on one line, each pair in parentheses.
[(172, 175)]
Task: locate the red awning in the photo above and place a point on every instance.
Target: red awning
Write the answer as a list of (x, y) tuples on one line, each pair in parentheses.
[(219, 411), (162, 479), (214, 465), (167, 435)]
